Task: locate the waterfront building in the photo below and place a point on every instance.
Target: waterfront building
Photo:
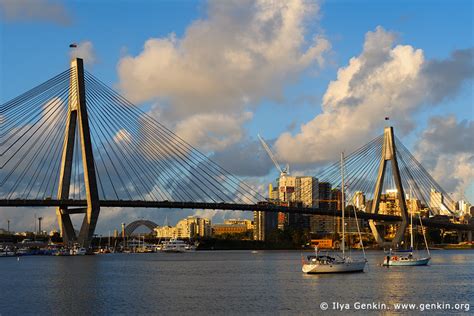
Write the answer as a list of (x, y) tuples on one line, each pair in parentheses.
[(221, 229), (248, 223), (190, 227), (165, 232)]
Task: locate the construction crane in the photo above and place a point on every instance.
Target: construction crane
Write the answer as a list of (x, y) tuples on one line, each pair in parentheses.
[(283, 171)]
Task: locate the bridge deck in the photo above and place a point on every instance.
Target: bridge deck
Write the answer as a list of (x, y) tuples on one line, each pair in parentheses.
[(228, 206)]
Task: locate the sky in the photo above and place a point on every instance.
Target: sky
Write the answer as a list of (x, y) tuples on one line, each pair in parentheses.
[(314, 78)]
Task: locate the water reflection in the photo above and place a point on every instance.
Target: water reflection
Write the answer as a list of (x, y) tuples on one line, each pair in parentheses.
[(219, 282)]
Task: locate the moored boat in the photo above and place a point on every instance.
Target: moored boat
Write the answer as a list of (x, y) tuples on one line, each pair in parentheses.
[(174, 246), (407, 257), (335, 264)]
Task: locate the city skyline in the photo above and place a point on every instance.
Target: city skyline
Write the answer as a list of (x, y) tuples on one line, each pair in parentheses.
[(323, 62)]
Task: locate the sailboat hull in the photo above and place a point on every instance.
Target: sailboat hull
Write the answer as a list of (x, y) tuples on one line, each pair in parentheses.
[(346, 267), (412, 262)]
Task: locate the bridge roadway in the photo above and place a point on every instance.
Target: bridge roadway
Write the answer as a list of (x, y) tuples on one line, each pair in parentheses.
[(267, 207)]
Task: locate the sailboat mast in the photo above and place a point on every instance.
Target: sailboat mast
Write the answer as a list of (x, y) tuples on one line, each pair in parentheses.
[(411, 222), (343, 204)]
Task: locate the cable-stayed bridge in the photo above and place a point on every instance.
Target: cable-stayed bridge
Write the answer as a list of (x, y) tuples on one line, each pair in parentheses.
[(75, 144)]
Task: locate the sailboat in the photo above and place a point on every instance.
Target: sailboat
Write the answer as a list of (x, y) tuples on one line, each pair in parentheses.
[(407, 258), (317, 263)]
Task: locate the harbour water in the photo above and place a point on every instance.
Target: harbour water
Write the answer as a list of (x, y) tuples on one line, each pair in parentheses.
[(228, 282)]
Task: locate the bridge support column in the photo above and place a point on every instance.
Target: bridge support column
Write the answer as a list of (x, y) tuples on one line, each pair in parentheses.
[(389, 154), (78, 118)]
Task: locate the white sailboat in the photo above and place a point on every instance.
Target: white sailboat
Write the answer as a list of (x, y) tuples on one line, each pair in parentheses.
[(408, 258), (317, 263)]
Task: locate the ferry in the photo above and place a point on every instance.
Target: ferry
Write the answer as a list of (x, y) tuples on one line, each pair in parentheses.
[(175, 245)]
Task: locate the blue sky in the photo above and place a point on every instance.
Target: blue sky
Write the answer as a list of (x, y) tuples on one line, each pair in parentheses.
[(34, 48)]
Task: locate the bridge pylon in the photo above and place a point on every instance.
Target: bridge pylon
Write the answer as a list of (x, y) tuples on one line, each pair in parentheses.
[(78, 119), (389, 154)]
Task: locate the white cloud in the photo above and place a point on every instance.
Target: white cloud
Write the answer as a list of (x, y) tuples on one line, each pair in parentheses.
[(384, 80), (446, 149), (212, 131), (84, 50), (34, 10), (243, 52)]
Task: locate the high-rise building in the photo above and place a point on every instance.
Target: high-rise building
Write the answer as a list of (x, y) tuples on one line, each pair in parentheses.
[(437, 203), (463, 207), (264, 224), (297, 191), (322, 224), (358, 200)]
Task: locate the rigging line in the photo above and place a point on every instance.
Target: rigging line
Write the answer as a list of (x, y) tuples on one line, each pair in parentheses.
[(360, 157), (55, 106), (418, 192), (361, 174), (165, 168), (54, 176), (39, 111), (369, 187), (49, 171), (54, 152), (191, 179), (100, 181), (175, 137), (23, 157), (129, 153), (92, 130), (124, 187), (57, 155), (29, 164), (424, 170), (12, 119), (195, 166), (409, 174), (125, 147), (360, 180), (422, 178), (30, 161), (153, 168), (140, 164), (25, 107), (422, 174), (334, 167), (33, 91), (74, 167), (113, 150), (7, 106), (47, 158), (307, 189)]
